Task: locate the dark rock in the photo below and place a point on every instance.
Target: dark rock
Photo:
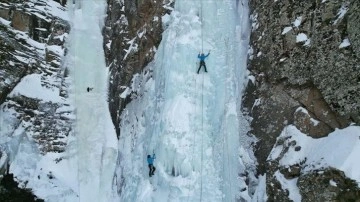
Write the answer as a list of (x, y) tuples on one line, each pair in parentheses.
[(50, 175), (353, 26), (273, 111), (315, 74), (291, 172), (333, 71), (328, 185), (59, 30), (308, 124), (10, 192), (274, 190), (4, 159), (21, 21), (316, 118)]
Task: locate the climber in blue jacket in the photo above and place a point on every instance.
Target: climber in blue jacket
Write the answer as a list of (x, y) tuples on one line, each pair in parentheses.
[(150, 161), (202, 61)]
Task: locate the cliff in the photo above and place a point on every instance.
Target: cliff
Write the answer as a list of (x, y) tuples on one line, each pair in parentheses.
[(305, 62)]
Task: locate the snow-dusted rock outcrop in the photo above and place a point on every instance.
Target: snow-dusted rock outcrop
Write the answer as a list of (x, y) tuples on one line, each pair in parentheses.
[(304, 58), (35, 115), (33, 87)]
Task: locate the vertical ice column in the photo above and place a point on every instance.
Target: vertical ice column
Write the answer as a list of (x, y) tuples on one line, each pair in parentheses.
[(95, 133)]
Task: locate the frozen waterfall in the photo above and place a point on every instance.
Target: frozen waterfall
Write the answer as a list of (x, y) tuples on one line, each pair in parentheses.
[(95, 143), (191, 121)]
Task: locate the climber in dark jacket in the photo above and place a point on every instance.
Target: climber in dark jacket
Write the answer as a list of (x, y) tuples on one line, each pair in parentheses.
[(202, 61), (89, 89), (150, 161)]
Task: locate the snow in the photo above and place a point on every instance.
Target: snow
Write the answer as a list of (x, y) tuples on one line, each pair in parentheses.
[(314, 121), (3, 158), (290, 185), (22, 59), (333, 183), (4, 4), (53, 8), (252, 79), (286, 30), (108, 45), (342, 11), (260, 192), (168, 5), (133, 47), (40, 47), (254, 21), (56, 49), (345, 43), (301, 37), (302, 110), (257, 102), (297, 22), (62, 36), (251, 53), (320, 153), (31, 86), (126, 92), (5, 22), (140, 34), (48, 178)]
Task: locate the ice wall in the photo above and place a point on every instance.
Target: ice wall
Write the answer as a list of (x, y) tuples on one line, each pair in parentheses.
[(95, 138), (191, 121)]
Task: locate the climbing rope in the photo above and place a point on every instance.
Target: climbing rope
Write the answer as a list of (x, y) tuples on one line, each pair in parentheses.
[(202, 104), (226, 138), (202, 136), (202, 110), (202, 25), (194, 133)]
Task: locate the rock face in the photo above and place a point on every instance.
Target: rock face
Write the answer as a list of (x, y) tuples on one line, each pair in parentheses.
[(314, 184), (32, 43), (11, 192), (132, 35), (31, 46), (306, 64), (328, 185)]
